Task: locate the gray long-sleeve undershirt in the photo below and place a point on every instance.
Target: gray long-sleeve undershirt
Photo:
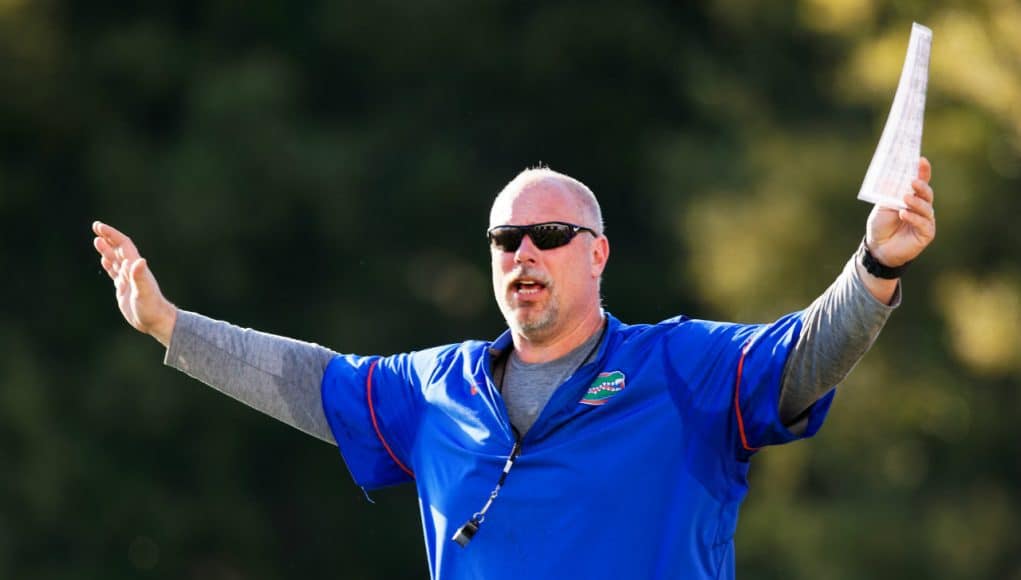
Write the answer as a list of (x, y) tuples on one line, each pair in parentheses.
[(281, 376), (273, 374)]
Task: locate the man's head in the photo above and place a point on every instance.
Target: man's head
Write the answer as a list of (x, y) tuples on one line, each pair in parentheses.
[(544, 294)]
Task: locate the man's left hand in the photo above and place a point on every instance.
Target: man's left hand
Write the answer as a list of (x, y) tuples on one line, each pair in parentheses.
[(895, 237)]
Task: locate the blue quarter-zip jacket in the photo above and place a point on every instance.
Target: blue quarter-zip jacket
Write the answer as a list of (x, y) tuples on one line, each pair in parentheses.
[(635, 468)]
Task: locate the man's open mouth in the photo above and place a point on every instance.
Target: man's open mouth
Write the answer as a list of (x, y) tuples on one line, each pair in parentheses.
[(526, 287)]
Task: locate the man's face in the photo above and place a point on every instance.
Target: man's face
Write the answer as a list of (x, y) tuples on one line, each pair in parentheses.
[(540, 292)]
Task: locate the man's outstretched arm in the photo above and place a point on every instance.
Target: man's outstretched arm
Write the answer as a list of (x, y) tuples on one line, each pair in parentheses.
[(273, 374), (842, 324), (278, 376)]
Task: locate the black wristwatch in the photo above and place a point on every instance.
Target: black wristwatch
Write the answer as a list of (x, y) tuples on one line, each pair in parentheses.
[(876, 268)]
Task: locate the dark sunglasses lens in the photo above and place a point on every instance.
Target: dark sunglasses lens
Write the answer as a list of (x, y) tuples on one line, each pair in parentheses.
[(549, 236), (506, 239)]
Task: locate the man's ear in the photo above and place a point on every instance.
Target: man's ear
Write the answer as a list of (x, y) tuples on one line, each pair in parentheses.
[(600, 254)]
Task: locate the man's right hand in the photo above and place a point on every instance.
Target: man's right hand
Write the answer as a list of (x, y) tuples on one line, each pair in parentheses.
[(138, 295)]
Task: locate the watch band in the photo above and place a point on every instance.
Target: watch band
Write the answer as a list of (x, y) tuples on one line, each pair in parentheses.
[(877, 268)]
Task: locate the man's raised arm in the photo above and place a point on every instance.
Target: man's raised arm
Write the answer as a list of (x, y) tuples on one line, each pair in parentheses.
[(842, 324), (278, 376)]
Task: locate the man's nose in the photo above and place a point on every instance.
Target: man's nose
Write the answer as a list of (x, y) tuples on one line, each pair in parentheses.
[(526, 252)]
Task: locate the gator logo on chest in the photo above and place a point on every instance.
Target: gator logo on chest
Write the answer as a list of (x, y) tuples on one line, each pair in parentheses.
[(603, 388)]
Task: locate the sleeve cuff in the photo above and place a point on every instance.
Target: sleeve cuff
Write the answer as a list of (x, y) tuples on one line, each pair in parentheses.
[(185, 324)]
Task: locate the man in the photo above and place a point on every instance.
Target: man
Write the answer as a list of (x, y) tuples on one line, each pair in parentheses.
[(572, 444)]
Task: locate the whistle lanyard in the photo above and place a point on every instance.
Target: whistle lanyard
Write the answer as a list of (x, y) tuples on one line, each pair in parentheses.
[(465, 533)]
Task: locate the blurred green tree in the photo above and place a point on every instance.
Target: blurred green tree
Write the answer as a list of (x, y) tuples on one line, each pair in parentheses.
[(324, 170)]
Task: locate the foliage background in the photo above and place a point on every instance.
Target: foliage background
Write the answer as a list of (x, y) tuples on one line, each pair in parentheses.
[(323, 170)]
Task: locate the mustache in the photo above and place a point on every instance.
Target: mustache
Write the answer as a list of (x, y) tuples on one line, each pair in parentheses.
[(529, 274)]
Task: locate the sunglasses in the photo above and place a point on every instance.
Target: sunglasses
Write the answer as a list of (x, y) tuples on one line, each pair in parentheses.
[(545, 236)]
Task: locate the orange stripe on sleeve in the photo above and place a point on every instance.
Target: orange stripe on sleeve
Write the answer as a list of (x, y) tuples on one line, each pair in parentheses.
[(737, 400), (375, 425)]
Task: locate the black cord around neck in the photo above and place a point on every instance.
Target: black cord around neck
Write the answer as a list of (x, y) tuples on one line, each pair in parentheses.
[(465, 533)]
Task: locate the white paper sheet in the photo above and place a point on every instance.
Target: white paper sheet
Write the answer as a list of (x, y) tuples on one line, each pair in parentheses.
[(895, 163)]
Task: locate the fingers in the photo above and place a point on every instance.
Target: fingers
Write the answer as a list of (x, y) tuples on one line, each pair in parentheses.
[(138, 270), (109, 260), (109, 232), (142, 280), (109, 268), (104, 249), (923, 190), (112, 260), (924, 170), (920, 202), (925, 228), (919, 212), (129, 278), (121, 244)]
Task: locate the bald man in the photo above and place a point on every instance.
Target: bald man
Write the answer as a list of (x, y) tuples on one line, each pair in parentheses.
[(573, 444)]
